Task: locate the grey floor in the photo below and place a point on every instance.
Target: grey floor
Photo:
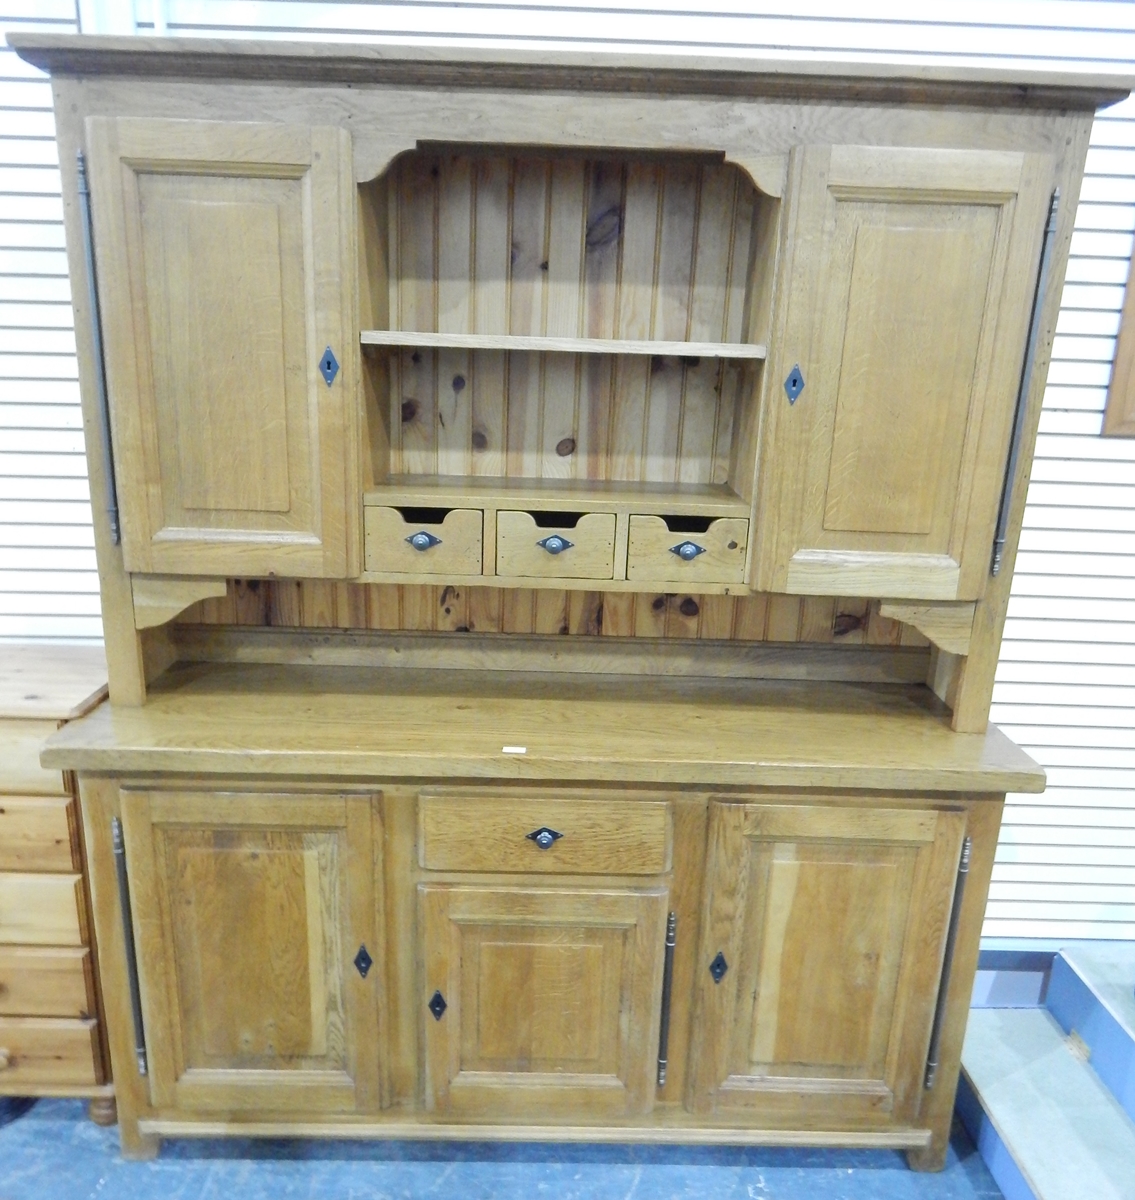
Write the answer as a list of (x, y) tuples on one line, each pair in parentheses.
[(52, 1152)]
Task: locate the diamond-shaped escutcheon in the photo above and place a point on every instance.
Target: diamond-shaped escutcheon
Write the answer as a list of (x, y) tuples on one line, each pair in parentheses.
[(363, 961), (718, 967), (329, 366), (794, 384), (437, 1005)]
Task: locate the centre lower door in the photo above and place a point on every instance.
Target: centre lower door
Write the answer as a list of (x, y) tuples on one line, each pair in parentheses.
[(541, 1003)]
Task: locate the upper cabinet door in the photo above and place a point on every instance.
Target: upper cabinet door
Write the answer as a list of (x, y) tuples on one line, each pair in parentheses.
[(223, 254), (907, 281)]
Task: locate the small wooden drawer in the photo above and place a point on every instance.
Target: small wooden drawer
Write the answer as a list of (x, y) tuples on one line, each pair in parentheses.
[(20, 744), (46, 981), (47, 1050), (41, 910), (556, 545), (38, 833), (595, 837), (424, 541), (687, 549)]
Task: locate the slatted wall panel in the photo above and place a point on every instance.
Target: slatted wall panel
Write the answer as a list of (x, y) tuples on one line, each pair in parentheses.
[(48, 582), (566, 247), (1066, 686), (308, 604)]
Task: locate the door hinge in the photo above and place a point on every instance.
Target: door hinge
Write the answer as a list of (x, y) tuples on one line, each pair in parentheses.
[(119, 845), (667, 987), (932, 1055)]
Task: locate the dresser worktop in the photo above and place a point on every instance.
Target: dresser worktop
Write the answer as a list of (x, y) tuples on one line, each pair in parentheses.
[(351, 722)]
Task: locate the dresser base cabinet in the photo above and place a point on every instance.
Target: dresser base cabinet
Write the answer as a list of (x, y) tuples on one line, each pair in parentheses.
[(302, 974)]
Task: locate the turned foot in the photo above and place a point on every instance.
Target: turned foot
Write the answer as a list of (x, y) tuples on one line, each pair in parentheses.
[(103, 1110)]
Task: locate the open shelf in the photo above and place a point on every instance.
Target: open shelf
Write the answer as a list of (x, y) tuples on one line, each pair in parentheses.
[(564, 495), (562, 345)]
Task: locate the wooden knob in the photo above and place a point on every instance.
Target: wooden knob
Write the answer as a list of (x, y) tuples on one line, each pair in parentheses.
[(5, 1058)]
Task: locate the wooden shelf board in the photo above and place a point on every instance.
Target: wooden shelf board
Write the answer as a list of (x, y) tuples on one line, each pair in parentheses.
[(561, 345), (366, 723), (563, 495)]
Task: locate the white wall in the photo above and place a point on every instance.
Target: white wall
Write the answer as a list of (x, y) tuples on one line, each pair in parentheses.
[(1066, 682)]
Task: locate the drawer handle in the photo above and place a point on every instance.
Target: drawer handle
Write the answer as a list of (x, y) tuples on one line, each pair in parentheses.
[(5, 1058), (687, 551), (544, 837), (423, 541), (554, 544)]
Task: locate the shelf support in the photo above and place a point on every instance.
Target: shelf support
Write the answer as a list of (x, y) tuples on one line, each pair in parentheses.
[(158, 599), (948, 626)]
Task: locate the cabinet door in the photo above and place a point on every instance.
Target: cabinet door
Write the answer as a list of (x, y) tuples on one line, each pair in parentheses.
[(831, 925), (551, 1001), (249, 911), (223, 255), (908, 278)]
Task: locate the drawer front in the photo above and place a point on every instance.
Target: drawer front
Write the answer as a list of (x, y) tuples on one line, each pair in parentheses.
[(47, 1050), (20, 744), (715, 556), (529, 550), (41, 910), (451, 546), (46, 981), (38, 833), (596, 837)]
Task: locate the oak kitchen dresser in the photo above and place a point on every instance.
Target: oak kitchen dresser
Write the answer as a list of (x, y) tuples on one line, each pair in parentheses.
[(555, 515)]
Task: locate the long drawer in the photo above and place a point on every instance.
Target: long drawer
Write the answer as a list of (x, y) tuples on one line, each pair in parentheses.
[(38, 833), (20, 772), (47, 1050), (46, 981), (537, 836), (41, 910)]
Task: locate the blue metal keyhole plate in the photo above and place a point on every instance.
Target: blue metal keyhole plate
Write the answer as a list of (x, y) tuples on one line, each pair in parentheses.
[(794, 384), (329, 366)]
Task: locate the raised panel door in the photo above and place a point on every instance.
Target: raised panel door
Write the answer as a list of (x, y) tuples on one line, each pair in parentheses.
[(551, 1001), (223, 255), (908, 281), (249, 911), (822, 943)]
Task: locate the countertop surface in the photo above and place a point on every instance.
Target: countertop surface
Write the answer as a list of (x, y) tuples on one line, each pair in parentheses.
[(356, 722)]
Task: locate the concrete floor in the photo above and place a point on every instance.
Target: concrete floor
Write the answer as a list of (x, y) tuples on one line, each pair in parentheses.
[(52, 1152)]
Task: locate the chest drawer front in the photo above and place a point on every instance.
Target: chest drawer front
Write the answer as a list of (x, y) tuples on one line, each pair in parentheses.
[(581, 837), (41, 910), (20, 744), (717, 555), (585, 550), (45, 1050), (45, 981), (38, 833), (400, 540)]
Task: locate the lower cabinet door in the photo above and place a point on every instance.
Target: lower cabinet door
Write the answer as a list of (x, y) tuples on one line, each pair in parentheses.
[(541, 1003), (250, 911), (821, 949)]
